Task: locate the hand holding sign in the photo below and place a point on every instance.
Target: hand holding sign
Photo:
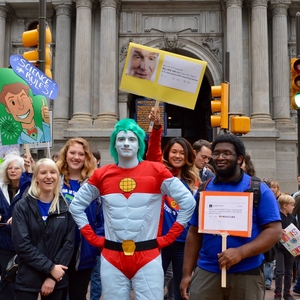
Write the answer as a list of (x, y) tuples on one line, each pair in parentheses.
[(154, 116)]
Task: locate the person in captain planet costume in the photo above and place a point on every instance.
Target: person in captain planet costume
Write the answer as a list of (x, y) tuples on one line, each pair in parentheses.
[(131, 191)]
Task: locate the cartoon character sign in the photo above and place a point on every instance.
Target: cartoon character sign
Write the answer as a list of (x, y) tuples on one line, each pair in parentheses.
[(24, 117)]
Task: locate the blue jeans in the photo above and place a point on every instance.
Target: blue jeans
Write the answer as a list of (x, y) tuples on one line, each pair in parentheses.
[(96, 287), (268, 272), (297, 285), (174, 254), (168, 283)]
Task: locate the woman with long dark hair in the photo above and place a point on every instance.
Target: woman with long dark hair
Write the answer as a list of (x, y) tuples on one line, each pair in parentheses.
[(178, 156)]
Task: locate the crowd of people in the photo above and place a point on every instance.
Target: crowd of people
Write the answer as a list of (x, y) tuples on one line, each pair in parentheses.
[(133, 226)]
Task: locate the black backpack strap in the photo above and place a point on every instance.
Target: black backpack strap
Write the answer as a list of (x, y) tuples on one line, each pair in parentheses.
[(255, 189), (202, 187)]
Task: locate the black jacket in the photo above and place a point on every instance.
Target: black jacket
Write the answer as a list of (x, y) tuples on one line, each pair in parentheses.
[(7, 208), (40, 246)]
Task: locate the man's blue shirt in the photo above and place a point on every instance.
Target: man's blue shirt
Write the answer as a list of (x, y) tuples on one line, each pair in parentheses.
[(266, 212)]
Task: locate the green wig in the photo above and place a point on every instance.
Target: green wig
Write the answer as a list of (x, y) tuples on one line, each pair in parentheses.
[(128, 125)]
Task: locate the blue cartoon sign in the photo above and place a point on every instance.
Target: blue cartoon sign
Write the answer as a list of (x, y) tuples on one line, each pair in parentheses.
[(39, 83)]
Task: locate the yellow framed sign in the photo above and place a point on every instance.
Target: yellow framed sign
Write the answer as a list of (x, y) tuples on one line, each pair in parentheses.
[(162, 75)]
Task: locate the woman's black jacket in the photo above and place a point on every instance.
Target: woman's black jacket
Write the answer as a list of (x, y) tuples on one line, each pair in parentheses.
[(39, 246)]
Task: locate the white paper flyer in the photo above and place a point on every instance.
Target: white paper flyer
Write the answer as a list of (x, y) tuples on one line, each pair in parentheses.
[(291, 239)]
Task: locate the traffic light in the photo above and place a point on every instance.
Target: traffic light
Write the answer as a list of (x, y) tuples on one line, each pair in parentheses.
[(239, 124), (295, 83), (30, 38), (219, 105), (48, 59)]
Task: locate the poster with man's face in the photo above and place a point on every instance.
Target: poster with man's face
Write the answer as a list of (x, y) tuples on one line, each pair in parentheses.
[(24, 117), (163, 76), (142, 63)]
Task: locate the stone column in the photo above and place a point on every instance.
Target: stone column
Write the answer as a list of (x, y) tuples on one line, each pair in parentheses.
[(108, 105), (280, 65), (3, 12), (82, 117), (259, 63), (234, 45), (62, 66)]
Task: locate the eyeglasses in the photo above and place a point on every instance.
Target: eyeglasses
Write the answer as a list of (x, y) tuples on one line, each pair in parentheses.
[(222, 154)]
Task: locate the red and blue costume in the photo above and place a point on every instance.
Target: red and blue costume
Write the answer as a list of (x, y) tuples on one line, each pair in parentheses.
[(132, 200)]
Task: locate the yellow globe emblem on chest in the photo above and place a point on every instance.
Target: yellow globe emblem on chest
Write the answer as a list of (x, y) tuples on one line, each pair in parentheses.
[(173, 204), (127, 185)]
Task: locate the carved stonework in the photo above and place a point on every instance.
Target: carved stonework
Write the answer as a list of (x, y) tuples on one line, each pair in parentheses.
[(3, 13), (230, 3), (84, 3), (109, 3), (214, 46), (167, 23), (63, 10), (169, 44), (124, 50), (170, 40), (279, 9), (293, 50), (259, 3)]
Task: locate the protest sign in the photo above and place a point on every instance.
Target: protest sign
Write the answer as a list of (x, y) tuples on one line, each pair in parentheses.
[(39, 82), (291, 239), (162, 75), (226, 212), (24, 117)]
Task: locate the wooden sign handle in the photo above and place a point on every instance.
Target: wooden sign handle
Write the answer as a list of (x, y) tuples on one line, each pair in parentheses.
[(28, 154), (223, 271), (155, 110)]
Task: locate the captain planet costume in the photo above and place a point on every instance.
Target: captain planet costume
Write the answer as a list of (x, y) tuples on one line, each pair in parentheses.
[(131, 192)]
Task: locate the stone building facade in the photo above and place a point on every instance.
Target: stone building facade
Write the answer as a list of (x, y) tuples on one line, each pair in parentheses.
[(89, 47)]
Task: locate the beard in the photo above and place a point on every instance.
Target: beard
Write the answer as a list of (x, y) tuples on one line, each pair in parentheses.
[(228, 171)]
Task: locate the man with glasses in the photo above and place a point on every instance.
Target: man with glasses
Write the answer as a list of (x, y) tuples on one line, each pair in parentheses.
[(243, 258), (202, 149)]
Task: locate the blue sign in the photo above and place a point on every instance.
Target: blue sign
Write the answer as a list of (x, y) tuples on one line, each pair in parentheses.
[(39, 83)]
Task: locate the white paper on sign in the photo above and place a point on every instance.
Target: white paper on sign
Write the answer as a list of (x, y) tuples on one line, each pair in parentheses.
[(180, 74), (226, 213)]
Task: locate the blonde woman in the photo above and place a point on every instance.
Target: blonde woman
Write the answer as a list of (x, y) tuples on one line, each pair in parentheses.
[(76, 164), (275, 189), (43, 235)]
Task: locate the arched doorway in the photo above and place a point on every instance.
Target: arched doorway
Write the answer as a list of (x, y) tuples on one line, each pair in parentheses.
[(190, 124)]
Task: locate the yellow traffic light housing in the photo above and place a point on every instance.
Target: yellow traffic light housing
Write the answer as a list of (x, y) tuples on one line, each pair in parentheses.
[(30, 38), (219, 105), (295, 83), (48, 66), (239, 124)]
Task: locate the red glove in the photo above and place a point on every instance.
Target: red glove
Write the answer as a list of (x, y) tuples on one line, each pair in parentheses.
[(170, 237), (92, 237)]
